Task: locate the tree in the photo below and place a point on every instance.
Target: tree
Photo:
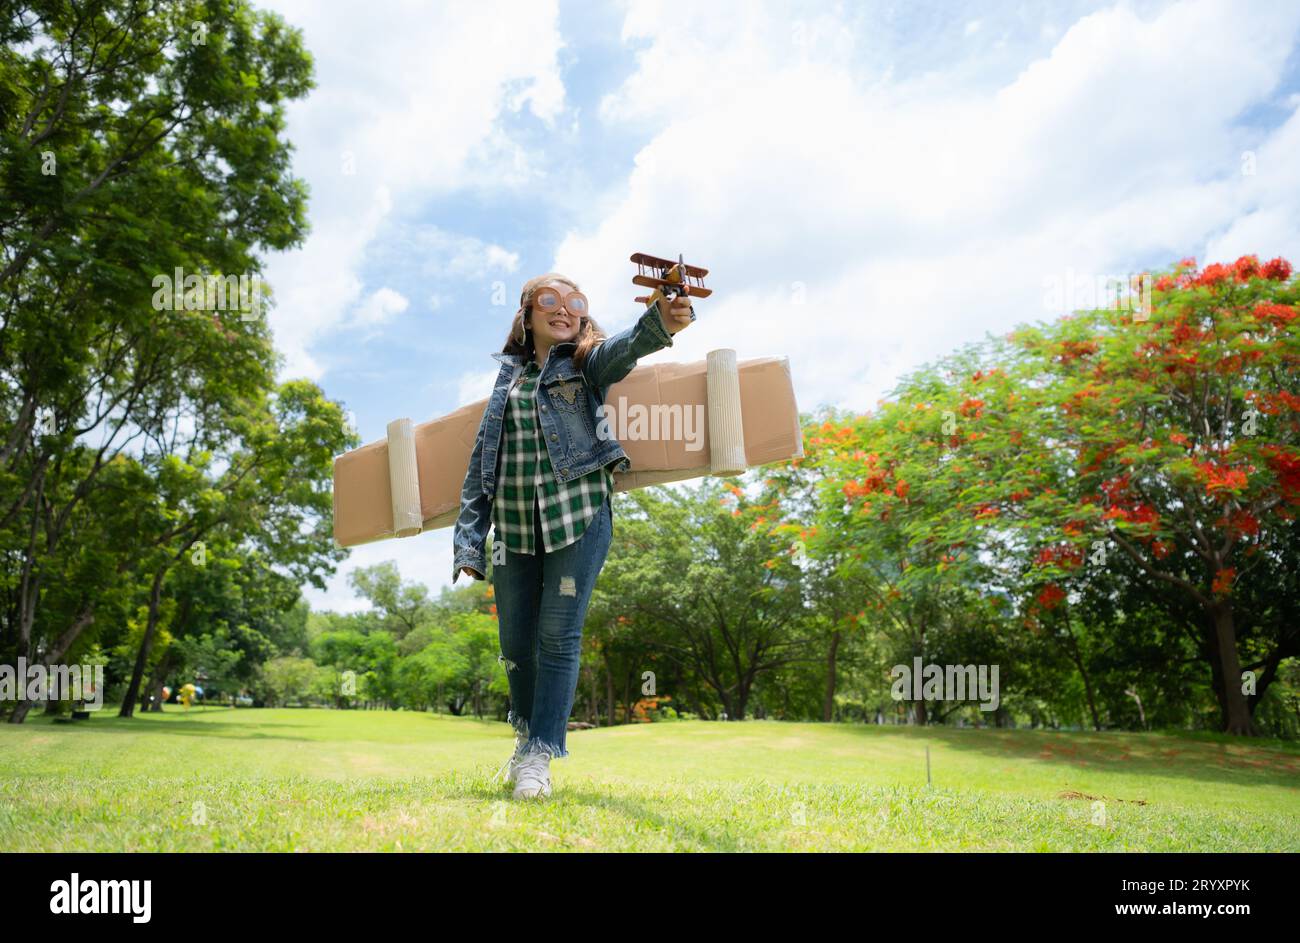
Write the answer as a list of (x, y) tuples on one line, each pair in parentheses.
[(135, 140), (902, 592), (270, 503), (714, 590), (403, 606), (1171, 442), (286, 679)]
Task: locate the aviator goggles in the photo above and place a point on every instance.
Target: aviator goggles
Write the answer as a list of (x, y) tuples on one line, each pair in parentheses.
[(549, 300)]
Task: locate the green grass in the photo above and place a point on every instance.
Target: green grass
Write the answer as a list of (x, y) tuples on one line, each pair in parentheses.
[(319, 780)]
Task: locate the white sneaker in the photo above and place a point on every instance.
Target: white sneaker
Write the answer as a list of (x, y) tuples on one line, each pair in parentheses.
[(533, 776), (510, 768)]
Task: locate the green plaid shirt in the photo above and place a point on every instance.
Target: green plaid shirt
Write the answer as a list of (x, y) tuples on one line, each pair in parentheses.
[(527, 480)]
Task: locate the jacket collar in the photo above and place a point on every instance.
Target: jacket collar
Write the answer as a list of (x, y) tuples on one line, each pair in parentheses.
[(518, 360)]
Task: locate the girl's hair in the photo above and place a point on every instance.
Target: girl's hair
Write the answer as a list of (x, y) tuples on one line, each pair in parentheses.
[(589, 332)]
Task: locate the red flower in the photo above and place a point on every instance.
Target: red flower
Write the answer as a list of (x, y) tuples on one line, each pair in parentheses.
[(1279, 269), (1243, 522), (1245, 268), (1139, 514), (1286, 465), (1279, 315), (1212, 275), (1223, 581), (1116, 488), (1073, 350), (1063, 555), (902, 488), (1184, 332), (1219, 479), (1050, 596), (1144, 514)]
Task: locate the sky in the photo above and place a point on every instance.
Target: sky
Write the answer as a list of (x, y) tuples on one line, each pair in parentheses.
[(871, 185)]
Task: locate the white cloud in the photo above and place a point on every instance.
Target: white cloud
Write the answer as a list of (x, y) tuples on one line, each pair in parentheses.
[(412, 108), (1271, 196), (921, 213), (380, 307), (448, 255), (474, 386)]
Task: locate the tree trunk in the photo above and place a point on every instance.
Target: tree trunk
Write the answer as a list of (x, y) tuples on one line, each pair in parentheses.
[(1237, 707), (828, 707), (20, 712), (1077, 657), (609, 692), (159, 680), (727, 710), (146, 645), (741, 703), (52, 657)]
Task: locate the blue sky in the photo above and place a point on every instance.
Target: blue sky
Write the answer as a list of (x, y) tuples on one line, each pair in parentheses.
[(871, 185)]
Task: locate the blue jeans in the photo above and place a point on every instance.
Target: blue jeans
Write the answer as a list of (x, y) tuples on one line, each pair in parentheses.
[(541, 603)]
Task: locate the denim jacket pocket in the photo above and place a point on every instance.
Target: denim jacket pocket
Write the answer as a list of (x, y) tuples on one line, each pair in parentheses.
[(571, 401), (568, 396)]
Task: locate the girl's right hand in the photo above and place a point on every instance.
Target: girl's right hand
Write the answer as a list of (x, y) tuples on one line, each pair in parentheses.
[(677, 316)]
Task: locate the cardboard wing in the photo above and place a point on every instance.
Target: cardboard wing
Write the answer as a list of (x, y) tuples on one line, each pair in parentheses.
[(674, 420)]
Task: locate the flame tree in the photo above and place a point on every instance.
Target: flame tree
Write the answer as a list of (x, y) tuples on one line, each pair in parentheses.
[(1161, 444)]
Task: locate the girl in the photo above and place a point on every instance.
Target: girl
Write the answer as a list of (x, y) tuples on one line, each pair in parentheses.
[(541, 475)]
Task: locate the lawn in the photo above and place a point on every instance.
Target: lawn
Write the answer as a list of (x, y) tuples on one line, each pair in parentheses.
[(321, 780)]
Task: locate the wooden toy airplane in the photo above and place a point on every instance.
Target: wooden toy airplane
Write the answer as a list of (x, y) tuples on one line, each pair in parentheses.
[(672, 279)]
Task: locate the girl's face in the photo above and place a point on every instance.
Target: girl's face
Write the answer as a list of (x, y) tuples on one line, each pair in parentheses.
[(558, 326)]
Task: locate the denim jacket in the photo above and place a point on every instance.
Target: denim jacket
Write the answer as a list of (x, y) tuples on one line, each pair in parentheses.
[(567, 402)]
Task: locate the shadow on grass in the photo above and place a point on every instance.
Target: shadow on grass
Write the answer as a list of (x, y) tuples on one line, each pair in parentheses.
[(191, 725), (1201, 757)]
